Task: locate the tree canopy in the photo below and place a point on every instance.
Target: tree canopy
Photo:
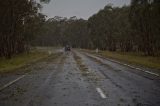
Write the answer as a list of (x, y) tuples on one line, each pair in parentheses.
[(133, 28), (18, 19)]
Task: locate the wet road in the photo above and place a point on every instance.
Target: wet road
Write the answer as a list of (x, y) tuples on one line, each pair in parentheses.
[(79, 79)]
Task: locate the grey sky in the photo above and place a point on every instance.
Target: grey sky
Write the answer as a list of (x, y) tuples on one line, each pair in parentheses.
[(79, 8)]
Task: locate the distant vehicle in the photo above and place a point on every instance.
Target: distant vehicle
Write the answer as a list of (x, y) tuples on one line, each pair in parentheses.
[(67, 48)]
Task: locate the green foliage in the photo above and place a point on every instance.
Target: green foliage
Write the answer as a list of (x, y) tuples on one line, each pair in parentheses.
[(110, 29), (59, 31), (145, 19), (18, 21), (20, 61), (133, 28), (133, 58)]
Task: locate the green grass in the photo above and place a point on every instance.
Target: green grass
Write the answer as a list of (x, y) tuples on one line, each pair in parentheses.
[(132, 58), (9, 65)]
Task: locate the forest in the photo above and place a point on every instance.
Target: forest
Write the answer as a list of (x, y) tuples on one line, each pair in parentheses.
[(132, 28)]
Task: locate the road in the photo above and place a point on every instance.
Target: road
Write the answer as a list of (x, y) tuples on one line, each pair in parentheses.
[(79, 79)]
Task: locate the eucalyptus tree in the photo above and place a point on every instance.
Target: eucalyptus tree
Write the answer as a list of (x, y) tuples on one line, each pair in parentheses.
[(145, 19), (14, 15), (106, 31)]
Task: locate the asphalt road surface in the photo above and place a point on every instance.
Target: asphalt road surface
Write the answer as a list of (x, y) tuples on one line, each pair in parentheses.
[(79, 79)]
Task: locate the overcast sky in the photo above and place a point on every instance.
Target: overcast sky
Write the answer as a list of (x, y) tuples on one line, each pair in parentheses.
[(80, 8)]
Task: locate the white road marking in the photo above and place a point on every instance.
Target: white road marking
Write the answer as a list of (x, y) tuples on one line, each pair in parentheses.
[(10, 83), (152, 73), (101, 93), (149, 72), (135, 68)]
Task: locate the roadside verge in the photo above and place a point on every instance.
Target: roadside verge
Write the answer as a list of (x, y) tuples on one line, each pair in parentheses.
[(20, 61), (138, 62)]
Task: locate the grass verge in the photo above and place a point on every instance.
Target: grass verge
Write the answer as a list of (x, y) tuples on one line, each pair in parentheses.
[(10, 65), (132, 58)]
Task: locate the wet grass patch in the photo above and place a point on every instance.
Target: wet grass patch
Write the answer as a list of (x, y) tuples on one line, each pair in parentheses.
[(23, 61), (136, 59), (10, 65)]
